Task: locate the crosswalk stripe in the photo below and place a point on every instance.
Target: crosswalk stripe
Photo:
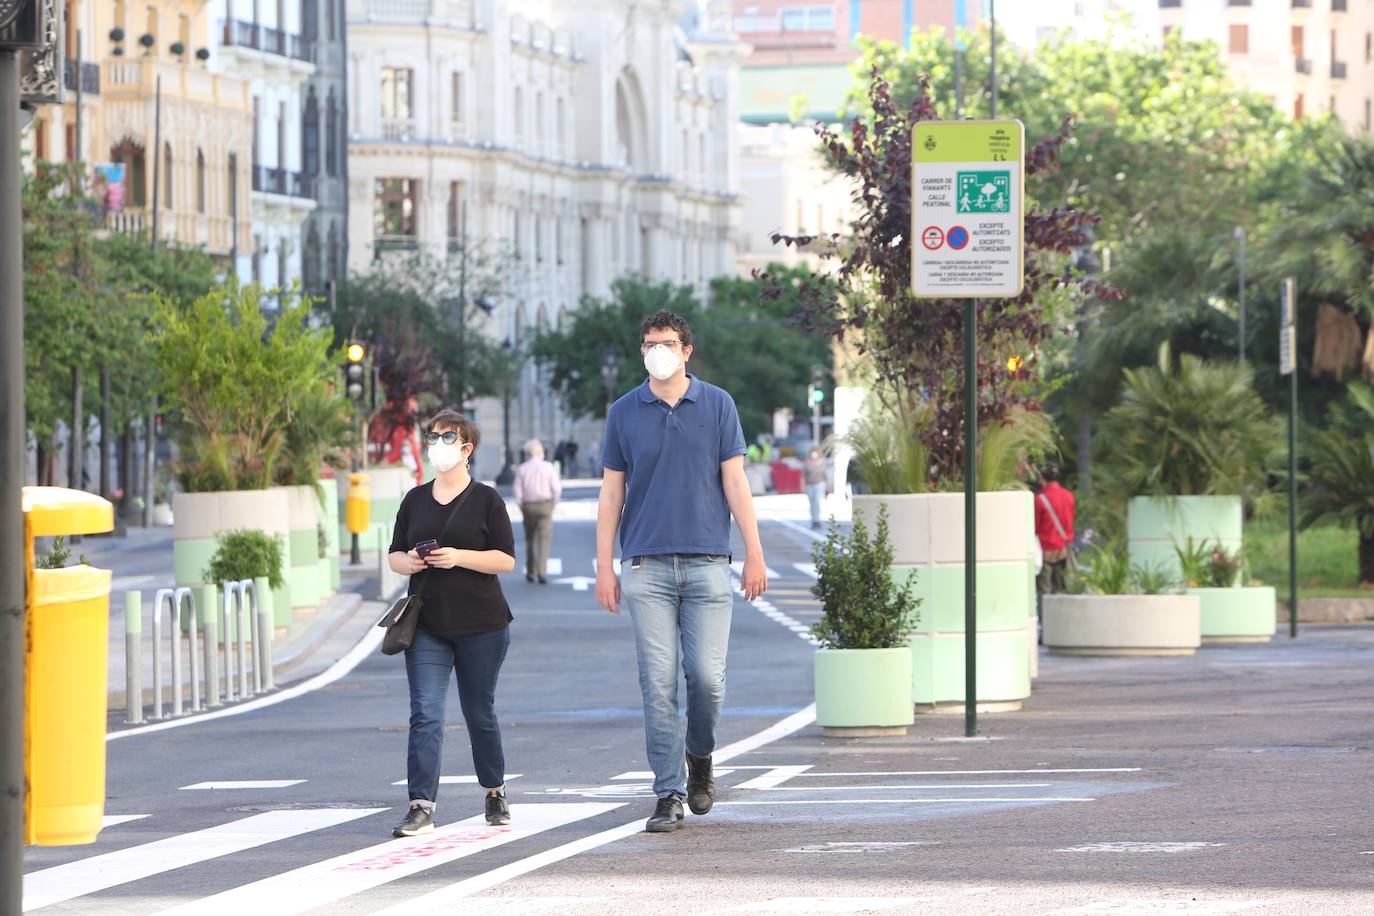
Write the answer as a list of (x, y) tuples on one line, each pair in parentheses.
[(114, 820), (554, 566), (244, 784), (111, 869), (331, 880), (738, 567), (806, 569)]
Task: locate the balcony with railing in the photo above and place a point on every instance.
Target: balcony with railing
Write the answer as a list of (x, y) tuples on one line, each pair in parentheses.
[(1339, 6), (1302, 4), (285, 182), (1303, 65), (240, 34), (90, 76), (1338, 69), (398, 130), (385, 244)]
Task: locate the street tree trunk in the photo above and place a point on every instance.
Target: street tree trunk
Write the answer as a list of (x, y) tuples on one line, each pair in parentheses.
[(76, 457), (1366, 559), (106, 483)]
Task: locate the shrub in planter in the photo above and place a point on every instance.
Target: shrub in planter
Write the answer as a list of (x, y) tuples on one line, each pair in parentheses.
[(1116, 608), (1232, 611), (246, 554), (863, 668)]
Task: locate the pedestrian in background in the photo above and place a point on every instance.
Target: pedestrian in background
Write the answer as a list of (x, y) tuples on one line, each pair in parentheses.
[(673, 464), (814, 477), (452, 537), (537, 490), (1054, 512)]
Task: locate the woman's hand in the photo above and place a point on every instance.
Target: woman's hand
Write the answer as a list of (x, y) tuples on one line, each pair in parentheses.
[(414, 562), (442, 558)]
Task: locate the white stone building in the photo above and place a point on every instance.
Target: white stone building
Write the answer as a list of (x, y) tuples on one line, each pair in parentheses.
[(593, 138)]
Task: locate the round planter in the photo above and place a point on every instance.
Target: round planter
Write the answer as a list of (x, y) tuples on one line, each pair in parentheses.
[(1155, 525), (863, 692), (1122, 624), (1237, 614), (927, 533)]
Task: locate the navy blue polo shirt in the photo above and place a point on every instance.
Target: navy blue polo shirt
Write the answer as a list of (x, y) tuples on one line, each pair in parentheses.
[(671, 456)]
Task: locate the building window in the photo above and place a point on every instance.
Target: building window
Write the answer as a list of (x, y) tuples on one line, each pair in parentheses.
[(749, 21), (561, 126), (394, 209), (310, 13), (538, 239), (1295, 37), (518, 111), (331, 135), (807, 18), (1297, 107), (331, 18), (1239, 38), (167, 173), (310, 134), (334, 251), (456, 100), (558, 241), (200, 181), (456, 217), (396, 100), (71, 143), (310, 260)]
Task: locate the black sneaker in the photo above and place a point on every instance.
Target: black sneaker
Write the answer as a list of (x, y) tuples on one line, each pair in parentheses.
[(667, 816), (417, 821), (701, 787), (543, 581), (498, 812)]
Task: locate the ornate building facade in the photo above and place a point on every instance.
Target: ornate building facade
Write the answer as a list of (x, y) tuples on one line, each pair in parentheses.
[(590, 138)]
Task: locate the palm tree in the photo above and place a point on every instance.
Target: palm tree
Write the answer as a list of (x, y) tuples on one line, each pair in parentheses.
[(1340, 482)]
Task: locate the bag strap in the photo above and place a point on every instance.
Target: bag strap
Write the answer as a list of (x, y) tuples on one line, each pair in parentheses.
[(1053, 517), (453, 507)]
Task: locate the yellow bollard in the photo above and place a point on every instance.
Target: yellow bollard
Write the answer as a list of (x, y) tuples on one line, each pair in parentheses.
[(65, 671), (358, 504)]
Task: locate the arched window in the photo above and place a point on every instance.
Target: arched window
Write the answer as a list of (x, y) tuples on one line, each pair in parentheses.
[(331, 136), (311, 133), (310, 15), (310, 261), (335, 252), (167, 179), (130, 155), (200, 181)]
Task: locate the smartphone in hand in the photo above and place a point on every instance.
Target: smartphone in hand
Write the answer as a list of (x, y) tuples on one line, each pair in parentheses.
[(424, 547)]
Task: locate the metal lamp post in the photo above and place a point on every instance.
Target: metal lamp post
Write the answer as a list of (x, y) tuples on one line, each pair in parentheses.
[(610, 370), (507, 474)]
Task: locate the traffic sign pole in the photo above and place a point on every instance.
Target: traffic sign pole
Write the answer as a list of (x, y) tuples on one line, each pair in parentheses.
[(970, 517)]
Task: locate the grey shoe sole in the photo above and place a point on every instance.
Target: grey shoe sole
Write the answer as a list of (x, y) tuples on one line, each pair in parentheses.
[(500, 821), (698, 808), (402, 832)]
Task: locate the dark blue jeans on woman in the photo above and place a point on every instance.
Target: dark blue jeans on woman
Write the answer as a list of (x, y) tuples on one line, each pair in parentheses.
[(475, 661)]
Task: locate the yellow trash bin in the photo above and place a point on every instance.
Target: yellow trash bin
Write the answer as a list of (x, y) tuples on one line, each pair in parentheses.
[(65, 670), (358, 503)]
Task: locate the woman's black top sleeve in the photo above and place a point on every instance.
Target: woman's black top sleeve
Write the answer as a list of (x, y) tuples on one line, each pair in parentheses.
[(458, 601)]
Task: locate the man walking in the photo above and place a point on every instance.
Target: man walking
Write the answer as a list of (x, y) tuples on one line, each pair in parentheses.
[(1054, 511), (673, 464), (537, 489)]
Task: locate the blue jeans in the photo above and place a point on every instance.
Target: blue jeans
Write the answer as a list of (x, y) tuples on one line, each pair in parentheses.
[(475, 661), (681, 606), (815, 492)]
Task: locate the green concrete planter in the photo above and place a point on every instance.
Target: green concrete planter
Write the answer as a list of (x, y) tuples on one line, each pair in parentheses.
[(200, 518), (303, 552), (928, 540), (1122, 624), (329, 518), (1155, 524), (863, 692), (1237, 614)]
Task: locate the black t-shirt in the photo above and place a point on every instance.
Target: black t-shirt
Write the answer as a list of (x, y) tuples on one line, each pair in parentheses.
[(458, 602)]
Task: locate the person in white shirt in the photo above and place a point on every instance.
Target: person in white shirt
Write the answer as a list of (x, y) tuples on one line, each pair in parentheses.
[(537, 490)]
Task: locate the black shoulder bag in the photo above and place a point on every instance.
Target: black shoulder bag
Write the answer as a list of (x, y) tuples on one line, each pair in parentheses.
[(401, 619)]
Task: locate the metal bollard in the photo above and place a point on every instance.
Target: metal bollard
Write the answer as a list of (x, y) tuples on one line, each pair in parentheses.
[(249, 605), (166, 595), (228, 628), (183, 596), (265, 623), (133, 657), (208, 602), (242, 631)]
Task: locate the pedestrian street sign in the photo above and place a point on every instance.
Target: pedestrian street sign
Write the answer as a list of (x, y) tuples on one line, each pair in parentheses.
[(968, 201), (1288, 332)]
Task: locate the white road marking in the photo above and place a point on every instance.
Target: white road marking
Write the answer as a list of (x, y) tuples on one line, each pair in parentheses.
[(114, 820), (326, 882), (615, 564), (797, 526), (554, 566), (337, 671), (445, 897), (244, 784), (807, 569), (460, 780), (861, 846), (521, 906), (972, 785), (823, 905), (902, 801), (1163, 905), (738, 567), (1129, 846), (579, 583), (111, 869), (774, 777), (977, 772)]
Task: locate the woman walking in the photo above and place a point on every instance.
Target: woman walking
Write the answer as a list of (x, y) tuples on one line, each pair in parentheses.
[(537, 489), (452, 537)]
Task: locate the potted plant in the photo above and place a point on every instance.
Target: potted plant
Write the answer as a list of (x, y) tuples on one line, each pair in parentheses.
[(1190, 446), (1120, 608), (246, 553), (863, 667), (1232, 611)]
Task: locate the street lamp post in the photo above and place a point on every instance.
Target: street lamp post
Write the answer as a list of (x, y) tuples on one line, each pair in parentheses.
[(610, 370), (507, 474)]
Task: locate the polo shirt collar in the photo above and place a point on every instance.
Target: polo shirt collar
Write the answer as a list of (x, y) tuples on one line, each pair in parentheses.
[(694, 387)]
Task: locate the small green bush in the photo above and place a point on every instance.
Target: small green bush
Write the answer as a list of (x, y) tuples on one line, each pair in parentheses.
[(56, 556), (246, 554), (861, 607)]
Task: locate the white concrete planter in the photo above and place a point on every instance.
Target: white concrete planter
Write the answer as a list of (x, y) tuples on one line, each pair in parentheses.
[(1122, 624), (162, 514), (927, 534), (1155, 525), (201, 518), (863, 693)]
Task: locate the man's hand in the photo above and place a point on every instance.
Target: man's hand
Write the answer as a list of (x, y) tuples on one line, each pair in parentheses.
[(608, 589), (754, 578), (442, 557)]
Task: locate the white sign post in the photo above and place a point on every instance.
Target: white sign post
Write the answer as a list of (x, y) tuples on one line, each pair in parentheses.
[(968, 241)]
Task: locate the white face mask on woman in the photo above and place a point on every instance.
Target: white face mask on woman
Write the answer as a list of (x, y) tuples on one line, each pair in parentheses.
[(662, 363), (445, 457)]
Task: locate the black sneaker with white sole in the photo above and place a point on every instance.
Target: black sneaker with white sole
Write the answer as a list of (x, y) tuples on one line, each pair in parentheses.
[(418, 821), (701, 786), (498, 812), (667, 816)]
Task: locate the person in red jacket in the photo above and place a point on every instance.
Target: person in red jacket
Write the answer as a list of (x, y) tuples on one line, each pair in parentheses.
[(1054, 509)]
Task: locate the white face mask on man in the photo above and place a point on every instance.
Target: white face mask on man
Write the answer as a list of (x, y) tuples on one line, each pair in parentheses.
[(662, 363), (445, 457)]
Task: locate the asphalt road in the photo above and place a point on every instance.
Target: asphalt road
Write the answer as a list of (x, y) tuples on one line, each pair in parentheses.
[(1235, 781)]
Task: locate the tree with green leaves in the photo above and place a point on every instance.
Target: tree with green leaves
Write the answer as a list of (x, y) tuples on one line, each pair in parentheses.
[(1340, 480)]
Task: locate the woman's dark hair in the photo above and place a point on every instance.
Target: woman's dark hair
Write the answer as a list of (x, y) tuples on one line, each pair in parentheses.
[(448, 418), (664, 320)]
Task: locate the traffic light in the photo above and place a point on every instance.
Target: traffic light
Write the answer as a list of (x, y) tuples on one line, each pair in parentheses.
[(354, 371), (817, 386)]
